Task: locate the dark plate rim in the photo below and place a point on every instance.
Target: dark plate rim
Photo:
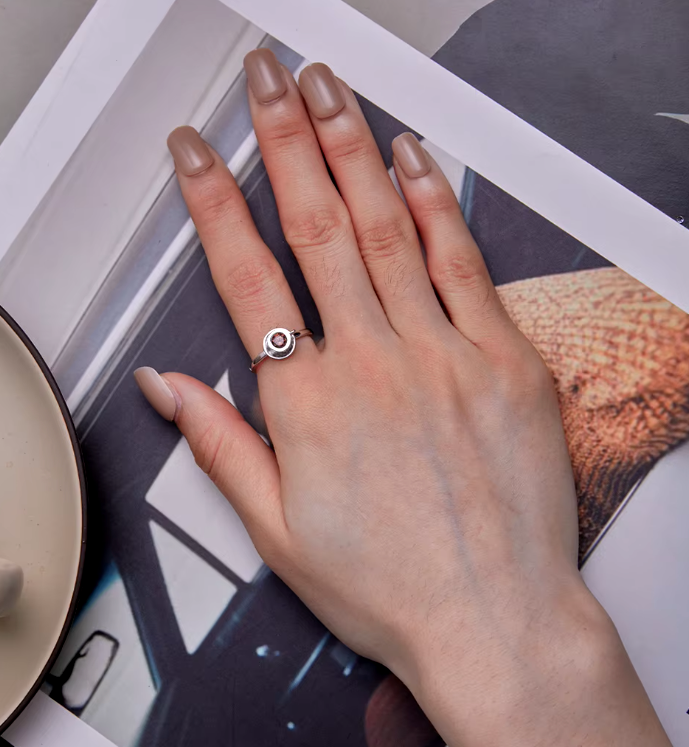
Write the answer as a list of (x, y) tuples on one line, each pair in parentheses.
[(78, 458)]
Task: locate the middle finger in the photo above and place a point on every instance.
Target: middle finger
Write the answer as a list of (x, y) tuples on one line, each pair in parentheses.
[(314, 218), (385, 231)]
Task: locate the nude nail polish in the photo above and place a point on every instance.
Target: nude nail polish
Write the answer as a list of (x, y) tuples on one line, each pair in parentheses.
[(189, 150), (411, 156), (265, 75), (321, 91), (159, 394)]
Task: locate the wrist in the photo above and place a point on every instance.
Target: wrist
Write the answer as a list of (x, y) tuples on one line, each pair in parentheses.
[(525, 625), (544, 668)]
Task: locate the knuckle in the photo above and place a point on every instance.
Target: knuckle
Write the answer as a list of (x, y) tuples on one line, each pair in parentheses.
[(465, 271), (314, 228), (435, 204), (285, 132), (216, 200), (384, 238), (350, 147), (376, 380), (248, 281), (526, 376)]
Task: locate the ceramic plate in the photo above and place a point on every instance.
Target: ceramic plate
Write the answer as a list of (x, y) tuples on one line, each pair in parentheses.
[(42, 516)]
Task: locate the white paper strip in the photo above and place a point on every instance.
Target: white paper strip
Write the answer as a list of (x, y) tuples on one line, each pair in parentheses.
[(488, 138), (44, 723), (68, 103)]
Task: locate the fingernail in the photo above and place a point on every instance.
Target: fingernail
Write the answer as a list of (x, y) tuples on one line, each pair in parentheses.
[(321, 91), (411, 156), (265, 75), (190, 152), (162, 398)]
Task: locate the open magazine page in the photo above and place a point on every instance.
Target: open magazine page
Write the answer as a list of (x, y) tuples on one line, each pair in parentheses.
[(184, 636)]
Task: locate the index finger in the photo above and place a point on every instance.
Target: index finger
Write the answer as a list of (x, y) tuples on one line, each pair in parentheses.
[(245, 272)]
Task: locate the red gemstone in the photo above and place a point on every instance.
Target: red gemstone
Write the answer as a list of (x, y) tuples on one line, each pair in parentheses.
[(279, 340)]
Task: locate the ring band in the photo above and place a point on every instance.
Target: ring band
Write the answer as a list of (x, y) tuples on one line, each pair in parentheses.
[(279, 343)]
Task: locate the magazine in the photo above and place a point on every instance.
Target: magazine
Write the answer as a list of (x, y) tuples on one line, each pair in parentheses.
[(183, 635)]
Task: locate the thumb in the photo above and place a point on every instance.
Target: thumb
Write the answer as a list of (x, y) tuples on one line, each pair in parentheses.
[(224, 445)]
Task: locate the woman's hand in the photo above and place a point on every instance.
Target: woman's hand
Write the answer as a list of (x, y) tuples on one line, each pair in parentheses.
[(420, 498)]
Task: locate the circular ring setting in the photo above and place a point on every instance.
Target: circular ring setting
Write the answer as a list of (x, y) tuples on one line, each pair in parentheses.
[(279, 343)]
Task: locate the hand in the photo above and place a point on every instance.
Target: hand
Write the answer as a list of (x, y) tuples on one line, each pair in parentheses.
[(420, 498)]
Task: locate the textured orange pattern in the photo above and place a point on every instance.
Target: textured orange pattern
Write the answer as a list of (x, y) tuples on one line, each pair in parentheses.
[(620, 357)]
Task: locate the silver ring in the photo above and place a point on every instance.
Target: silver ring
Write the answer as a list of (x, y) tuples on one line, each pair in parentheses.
[(279, 343)]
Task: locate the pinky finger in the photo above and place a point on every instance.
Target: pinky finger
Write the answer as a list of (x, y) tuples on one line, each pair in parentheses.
[(455, 263)]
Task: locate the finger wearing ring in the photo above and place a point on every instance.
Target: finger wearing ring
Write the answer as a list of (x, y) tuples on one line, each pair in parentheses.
[(279, 343)]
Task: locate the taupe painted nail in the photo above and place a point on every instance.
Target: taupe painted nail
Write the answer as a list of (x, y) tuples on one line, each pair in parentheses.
[(411, 156), (265, 75), (189, 150), (321, 91), (159, 394)]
